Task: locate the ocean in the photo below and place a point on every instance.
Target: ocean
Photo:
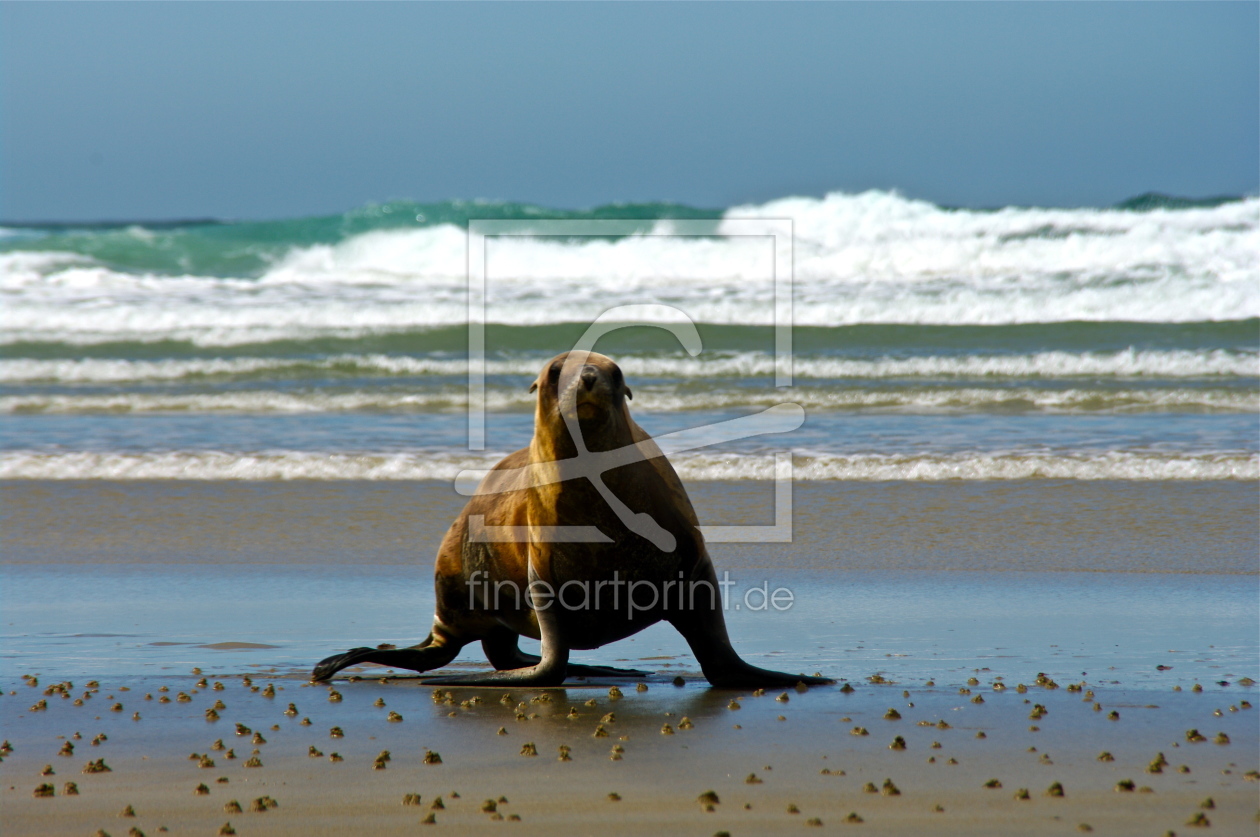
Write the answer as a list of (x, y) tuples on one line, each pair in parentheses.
[(930, 343), (1031, 436)]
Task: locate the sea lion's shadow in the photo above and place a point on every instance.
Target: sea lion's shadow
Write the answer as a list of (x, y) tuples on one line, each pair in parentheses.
[(662, 701)]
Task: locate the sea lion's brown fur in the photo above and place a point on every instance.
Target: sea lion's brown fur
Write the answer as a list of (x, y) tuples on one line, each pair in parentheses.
[(534, 488)]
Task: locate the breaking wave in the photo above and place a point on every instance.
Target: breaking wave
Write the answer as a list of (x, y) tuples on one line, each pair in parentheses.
[(1112, 465)]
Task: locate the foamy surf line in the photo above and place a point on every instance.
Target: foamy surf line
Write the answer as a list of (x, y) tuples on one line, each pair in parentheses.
[(227, 317), (293, 465), (870, 258), (654, 398), (1130, 363)]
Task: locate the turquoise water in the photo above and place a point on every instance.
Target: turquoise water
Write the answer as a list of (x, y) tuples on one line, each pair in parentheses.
[(927, 343), (212, 247), (247, 248)]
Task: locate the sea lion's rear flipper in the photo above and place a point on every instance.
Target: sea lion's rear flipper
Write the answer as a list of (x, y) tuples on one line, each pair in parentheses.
[(436, 651)]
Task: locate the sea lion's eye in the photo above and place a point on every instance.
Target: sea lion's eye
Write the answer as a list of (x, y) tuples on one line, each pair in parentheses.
[(554, 374), (619, 381)]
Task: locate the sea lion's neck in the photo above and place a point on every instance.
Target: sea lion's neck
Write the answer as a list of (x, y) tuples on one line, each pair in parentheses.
[(555, 442), (605, 433)]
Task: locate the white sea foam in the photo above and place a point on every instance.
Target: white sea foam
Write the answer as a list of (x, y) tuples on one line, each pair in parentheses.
[(230, 466), (964, 399), (696, 467), (1128, 363), (869, 258), (1112, 465), (651, 399), (258, 402)]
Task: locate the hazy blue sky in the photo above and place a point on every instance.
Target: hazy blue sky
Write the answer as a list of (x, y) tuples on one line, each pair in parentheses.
[(147, 110)]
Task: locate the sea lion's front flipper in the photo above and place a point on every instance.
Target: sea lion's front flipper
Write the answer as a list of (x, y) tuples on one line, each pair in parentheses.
[(705, 632), (549, 670), (532, 676), (579, 670), (504, 654)]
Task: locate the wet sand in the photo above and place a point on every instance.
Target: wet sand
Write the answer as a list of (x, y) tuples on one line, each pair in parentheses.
[(808, 765), (983, 526), (922, 587)]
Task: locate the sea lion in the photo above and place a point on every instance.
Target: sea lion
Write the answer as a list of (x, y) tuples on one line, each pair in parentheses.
[(636, 556)]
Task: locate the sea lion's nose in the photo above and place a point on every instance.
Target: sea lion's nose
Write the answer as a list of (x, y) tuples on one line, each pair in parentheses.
[(589, 376)]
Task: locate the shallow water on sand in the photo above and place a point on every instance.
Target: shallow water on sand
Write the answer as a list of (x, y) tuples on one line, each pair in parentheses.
[(916, 581), (910, 627)]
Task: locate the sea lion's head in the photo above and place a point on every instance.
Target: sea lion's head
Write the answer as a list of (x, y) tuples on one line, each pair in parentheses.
[(588, 388)]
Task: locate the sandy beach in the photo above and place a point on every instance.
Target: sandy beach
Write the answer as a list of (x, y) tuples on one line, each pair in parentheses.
[(151, 614), (777, 763)]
